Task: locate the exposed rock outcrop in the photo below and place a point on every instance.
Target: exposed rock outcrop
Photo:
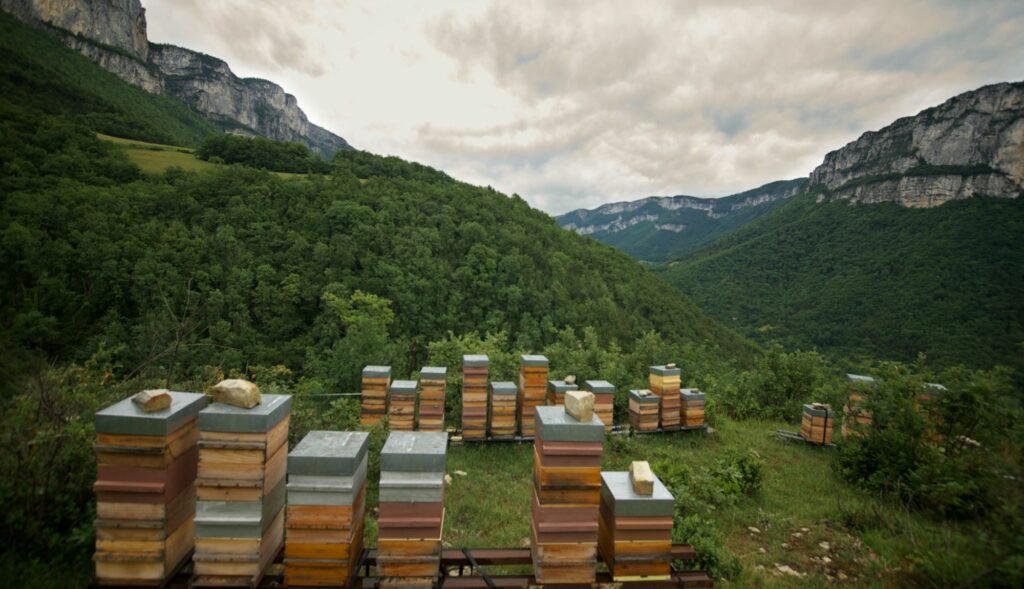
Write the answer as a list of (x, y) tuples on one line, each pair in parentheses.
[(113, 34), (970, 145)]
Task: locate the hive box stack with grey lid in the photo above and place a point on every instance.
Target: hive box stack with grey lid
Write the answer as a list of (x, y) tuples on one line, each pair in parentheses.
[(856, 417), (643, 410), (243, 456), (326, 505), (604, 401), (636, 530), (402, 405), (691, 407), (557, 390), (474, 396), (145, 489), (566, 496), (433, 381), (665, 382), (374, 394), (411, 511), (533, 381), (816, 423), (502, 415)]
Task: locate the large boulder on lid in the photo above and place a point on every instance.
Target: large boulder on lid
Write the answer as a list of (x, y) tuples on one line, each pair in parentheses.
[(152, 400), (580, 404), (237, 392)]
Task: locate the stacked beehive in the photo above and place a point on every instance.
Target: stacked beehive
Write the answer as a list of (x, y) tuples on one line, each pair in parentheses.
[(374, 394), (643, 410), (566, 496), (433, 380), (402, 406), (816, 423), (241, 490), (665, 382), (145, 489), (636, 528), (533, 379), (557, 390), (502, 415), (474, 396), (412, 469), (604, 401), (691, 407), (855, 414), (326, 505)]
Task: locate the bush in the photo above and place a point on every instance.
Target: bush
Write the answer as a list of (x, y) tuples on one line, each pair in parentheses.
[(778, 385), (712, 555)]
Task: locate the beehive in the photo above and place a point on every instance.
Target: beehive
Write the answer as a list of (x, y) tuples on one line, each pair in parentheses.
[(402, 405), (502, 414), (326, 493), (241, 490), (374, 394), (557, 390), (145, 489), (855, 415), (604, 401), (533, 378), (644, 407), (635, 530), (433, 383), (691, 407), (474, 396), (816, 423), (665, 383)]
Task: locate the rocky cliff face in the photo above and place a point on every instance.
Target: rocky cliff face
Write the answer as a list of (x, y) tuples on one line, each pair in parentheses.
[(971, 145), (113, 34)]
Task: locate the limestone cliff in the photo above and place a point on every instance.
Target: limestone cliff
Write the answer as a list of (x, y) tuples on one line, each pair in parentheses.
[(970, 145), (113, 34)]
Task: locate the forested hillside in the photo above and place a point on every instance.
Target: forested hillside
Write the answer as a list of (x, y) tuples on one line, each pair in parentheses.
[(872, 281)]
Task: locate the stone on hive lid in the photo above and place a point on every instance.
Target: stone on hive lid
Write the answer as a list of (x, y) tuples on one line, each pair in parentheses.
[(433, 373), (643, 396), (666, 371), (475, 361), (415, 452), (691, 395), (570, 379), (642, 477), (327, 453), (126, 417), (555, 425), (600, 386), (403, 387), (533, 360), (560, 386), (617, 491), (580, 405), (219, 417), (236, 391), (152, 400), (504, 387), (377, 372)]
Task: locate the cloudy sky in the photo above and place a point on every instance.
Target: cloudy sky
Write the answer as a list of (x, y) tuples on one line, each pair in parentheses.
[(573, 104)]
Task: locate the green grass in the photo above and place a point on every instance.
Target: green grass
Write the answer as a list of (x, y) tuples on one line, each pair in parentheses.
[(156, 158)]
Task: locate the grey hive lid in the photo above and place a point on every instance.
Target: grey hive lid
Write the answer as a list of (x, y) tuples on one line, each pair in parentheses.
[(504, 387), (376, 372), (475, 361), (533, 360), (665, 371), (433, 373), (860, 378), (935, 388), (125, 417), (554, 424), (600, 386), (617, 491), (325, 453), (415, 452), (219, 417), (819, 412), (635, 395), (691, 394), (560, 386), (403, 387)]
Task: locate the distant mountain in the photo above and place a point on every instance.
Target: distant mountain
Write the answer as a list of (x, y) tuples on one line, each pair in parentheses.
[(660, 228), (908, 240), (113, 34)]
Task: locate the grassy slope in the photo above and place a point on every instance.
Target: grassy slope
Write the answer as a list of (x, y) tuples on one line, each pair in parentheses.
[(156, 158), (37, 71), (872, 280)]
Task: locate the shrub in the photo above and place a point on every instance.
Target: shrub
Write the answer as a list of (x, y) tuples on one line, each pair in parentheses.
[(777, 386), (707, 541)]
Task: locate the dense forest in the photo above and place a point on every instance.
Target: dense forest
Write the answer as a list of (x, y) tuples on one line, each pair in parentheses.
[(872, 281)]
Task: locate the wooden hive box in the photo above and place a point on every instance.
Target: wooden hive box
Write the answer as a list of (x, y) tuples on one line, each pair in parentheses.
[(692, 407), (557, 390), (644, 408), (665, 383), (855, 416), (502, 414), (533, 379), (635, 536), (604, 401), (145, 488), (402, 405), (373, 406), (475, 373), (816, 423), (433, 384)]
